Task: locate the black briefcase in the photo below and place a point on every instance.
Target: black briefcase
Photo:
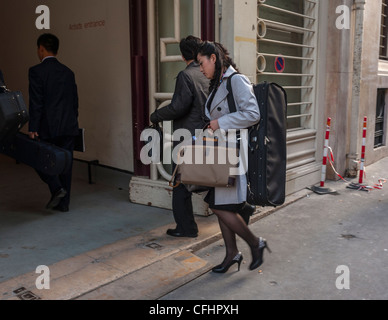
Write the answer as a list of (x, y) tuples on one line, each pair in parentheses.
[(42, 156), (13, 113), (79, 141)]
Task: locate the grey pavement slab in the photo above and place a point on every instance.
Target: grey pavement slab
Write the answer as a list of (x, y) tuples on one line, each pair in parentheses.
[(310, 239), (311, 236), (100, 214)]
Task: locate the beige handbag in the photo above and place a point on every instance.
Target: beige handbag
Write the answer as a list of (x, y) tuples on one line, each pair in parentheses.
[(202, 166)]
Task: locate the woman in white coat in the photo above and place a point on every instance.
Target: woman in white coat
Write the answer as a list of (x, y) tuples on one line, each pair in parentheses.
[(217, 66)]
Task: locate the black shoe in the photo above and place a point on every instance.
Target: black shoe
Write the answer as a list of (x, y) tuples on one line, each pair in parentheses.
[(247, 211), (178, 234), (258, 254), (56, 198), (223, 269), (61, 208)]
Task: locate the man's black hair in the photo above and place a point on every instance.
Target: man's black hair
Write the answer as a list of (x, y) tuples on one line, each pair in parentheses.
[(189, 47), (50, 42)]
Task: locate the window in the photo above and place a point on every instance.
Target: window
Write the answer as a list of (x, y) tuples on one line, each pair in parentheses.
[(384, 31), (287, 32), (287, 29), (380, 123)]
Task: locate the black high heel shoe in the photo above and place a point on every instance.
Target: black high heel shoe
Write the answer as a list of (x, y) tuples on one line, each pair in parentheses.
[(259, 259), (223, 269)]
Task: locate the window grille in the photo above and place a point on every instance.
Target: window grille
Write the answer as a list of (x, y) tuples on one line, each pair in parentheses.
[(380, 122), (384, 31), (287, 31)]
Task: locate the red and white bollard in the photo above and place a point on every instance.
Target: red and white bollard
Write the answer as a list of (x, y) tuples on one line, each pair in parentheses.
[(363, 152), (325, 153), (321, 189)]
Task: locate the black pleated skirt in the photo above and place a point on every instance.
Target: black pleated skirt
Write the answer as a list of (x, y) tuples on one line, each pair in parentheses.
[(210, 199)]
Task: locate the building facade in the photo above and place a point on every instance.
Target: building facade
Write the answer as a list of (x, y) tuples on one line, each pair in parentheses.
[(330, 56)]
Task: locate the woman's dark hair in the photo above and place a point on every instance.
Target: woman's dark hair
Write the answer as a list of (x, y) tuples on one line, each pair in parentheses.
[(223, 60), (49, 42), (189, 47)]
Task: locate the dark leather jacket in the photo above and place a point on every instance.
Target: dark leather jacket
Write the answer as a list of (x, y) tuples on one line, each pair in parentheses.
[(188, 103)]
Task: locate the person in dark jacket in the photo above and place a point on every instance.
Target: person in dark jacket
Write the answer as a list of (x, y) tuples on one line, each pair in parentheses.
[(187, 112), (53, 113)]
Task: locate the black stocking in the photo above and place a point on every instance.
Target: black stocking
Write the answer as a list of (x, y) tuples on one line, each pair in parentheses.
[(231, 224), (230, 243)]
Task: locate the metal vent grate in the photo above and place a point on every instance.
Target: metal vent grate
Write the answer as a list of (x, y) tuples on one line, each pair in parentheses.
[(287, 35)]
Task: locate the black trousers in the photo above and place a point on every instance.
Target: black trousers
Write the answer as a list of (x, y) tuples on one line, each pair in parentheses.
[(182, 208), (64, 180)]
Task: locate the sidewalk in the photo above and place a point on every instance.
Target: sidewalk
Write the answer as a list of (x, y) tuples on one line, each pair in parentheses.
[(99, 214), (103, 238), (324, 247), (107, 248)]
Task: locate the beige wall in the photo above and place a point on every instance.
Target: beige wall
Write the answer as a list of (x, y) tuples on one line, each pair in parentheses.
[(339, 73), (99, 56), (238, 34), (370, 82), (352, 86), (380, 77)]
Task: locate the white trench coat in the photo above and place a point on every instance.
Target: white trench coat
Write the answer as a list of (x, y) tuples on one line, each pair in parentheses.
[(247, 114)]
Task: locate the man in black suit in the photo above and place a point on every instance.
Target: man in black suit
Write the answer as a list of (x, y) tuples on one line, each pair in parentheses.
[(53, 113)]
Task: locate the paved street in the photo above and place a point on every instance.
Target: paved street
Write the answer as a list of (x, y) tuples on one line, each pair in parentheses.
[(310, 239)]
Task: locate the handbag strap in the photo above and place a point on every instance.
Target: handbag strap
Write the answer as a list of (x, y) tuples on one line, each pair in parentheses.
[(232, 109), (231, 103), (171, 182)]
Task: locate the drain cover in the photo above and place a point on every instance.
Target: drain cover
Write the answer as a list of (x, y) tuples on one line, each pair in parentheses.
[(154, 245), (23, 294)]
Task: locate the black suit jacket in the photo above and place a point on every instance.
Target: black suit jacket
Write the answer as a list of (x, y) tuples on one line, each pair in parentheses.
[(53, 100)]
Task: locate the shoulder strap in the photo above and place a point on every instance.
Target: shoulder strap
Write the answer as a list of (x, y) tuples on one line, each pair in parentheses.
[(231, 103)]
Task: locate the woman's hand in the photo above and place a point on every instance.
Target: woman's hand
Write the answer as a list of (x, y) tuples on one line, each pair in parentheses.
[(33, 135), (214, 125)]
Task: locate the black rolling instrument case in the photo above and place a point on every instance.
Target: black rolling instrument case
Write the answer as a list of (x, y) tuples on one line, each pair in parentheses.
[(42, 156), (13, 112), (267, 146)]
